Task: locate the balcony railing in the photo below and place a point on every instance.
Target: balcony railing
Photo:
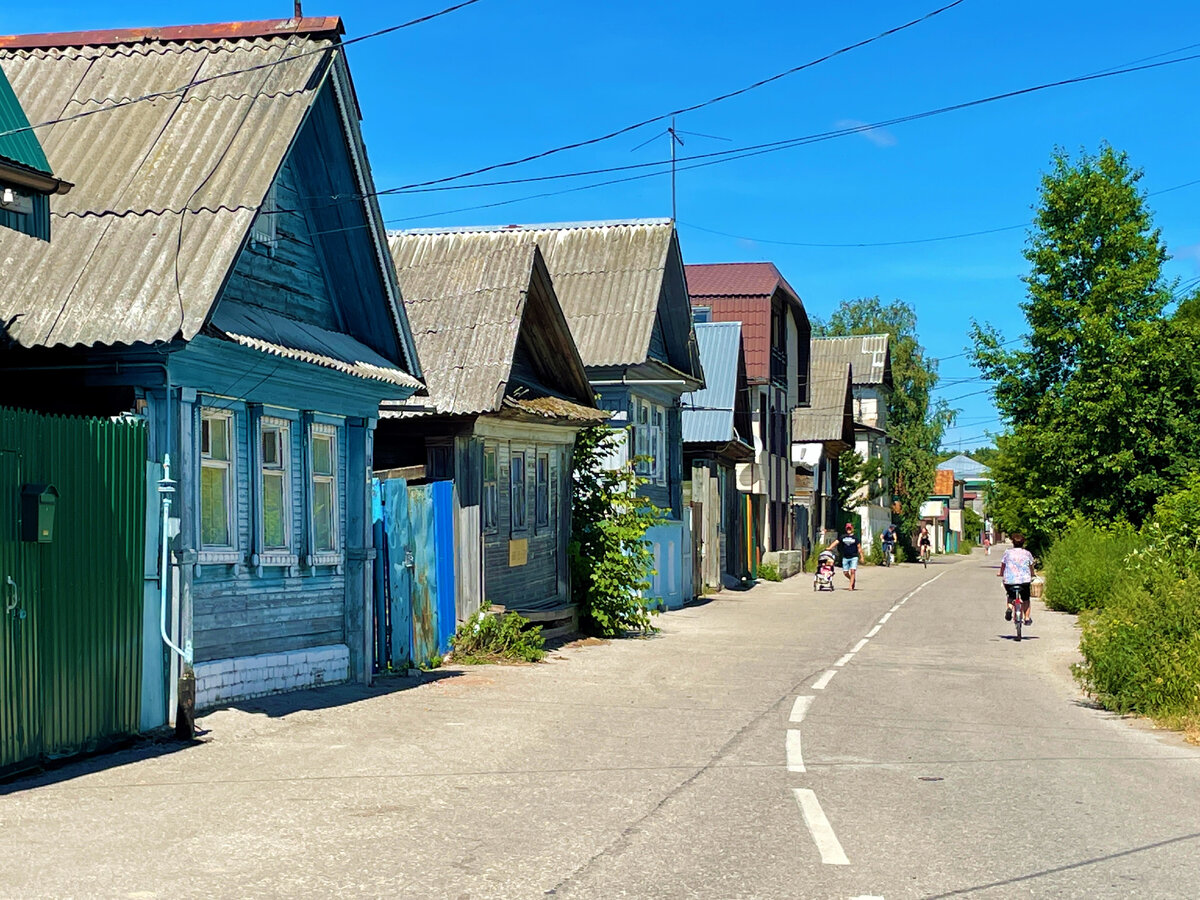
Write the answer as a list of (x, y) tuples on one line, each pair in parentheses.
[(778, 367)]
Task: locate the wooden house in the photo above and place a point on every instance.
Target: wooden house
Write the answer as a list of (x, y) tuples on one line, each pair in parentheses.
[(507, 393), (776, 334), (622, 289), (821, 432), (220, 269), (717, 437)]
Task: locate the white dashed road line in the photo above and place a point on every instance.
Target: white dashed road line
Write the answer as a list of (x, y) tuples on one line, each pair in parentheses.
[(800, 707), (874, 631), (860, 645), (795, 758), (843, 660), (821, 683), (827, 843)]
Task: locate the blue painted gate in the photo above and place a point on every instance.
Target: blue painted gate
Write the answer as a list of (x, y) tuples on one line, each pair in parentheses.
[(414, 572)]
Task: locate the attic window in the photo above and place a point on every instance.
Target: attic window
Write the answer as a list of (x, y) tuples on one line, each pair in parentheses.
[(266, 231)]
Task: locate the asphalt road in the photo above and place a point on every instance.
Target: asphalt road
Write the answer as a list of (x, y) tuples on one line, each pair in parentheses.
[(933, 757)]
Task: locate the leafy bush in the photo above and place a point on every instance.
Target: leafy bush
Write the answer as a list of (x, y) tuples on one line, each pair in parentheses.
[(611, 562), (810, 561), (1085, 563), (768, 572), (1142, 648), (486, 637), (1178, 514)]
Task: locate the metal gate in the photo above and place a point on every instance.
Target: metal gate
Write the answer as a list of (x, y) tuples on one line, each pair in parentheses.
[(72, 545), (415, 597)]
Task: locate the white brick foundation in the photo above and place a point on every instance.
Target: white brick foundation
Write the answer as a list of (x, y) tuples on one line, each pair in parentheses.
[(226, 680)]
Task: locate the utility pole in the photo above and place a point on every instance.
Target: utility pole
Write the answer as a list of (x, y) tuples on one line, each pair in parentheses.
[(674, 135)]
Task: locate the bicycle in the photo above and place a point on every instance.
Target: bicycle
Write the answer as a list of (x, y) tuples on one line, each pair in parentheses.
[(926, 550), (889, 554), (1020, 605)]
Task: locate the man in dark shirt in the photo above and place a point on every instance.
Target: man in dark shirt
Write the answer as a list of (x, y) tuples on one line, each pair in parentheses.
[(847, 546)]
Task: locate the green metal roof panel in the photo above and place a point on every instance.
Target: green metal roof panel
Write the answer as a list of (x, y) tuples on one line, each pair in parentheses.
[(18, 143)]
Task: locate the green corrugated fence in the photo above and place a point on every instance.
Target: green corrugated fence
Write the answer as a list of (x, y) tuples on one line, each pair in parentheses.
[(71, 635)]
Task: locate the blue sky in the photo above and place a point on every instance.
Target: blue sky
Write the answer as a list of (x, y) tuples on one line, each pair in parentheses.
[(502, 79)]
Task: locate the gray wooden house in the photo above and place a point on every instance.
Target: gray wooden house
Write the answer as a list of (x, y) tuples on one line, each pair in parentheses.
[(822, 432), (220, 269), (507, 393)]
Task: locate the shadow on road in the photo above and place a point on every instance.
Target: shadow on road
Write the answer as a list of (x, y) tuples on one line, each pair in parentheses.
[(1019, 879)]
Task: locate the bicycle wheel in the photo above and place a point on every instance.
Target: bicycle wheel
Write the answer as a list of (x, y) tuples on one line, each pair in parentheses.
[(1018, 616)]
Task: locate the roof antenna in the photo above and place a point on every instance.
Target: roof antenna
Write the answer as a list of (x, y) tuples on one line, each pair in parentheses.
[(299, 11), (676, 140)]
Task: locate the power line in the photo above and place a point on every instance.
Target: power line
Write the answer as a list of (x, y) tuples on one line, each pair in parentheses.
[(182, 89), (722, 156), (686, 109)]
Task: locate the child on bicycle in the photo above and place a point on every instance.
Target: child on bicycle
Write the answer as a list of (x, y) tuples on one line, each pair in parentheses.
[(1016, 568)]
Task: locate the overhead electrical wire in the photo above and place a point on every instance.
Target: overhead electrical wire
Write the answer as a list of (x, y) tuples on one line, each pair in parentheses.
[(197, 82)]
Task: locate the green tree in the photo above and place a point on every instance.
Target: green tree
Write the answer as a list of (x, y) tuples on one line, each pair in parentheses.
[(916, 422), (611, 563), (1101, 397), (856, 474)]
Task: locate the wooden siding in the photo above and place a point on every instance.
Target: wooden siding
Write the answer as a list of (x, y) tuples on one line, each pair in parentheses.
[(538, 581), (286, 276)]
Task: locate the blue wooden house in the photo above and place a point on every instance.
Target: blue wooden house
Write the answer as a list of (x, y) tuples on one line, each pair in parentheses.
[(622, 289), (507, 393), (221, 270)]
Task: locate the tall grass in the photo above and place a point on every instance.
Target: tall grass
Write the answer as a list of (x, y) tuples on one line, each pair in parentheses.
[(1085, 564)]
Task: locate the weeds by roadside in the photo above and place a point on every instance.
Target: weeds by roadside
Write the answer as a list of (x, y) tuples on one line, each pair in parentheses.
[(489, 638)]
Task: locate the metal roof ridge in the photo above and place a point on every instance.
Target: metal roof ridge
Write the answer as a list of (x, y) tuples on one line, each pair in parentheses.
[(307, 25)]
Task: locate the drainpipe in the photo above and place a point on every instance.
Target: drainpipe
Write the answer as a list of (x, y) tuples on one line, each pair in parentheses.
[(185, 714)]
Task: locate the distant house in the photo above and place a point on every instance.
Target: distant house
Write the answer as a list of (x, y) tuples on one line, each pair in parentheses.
[(821, 433), (776, 333), (717, 437), (869, 357), (976, 479), (507, 395), (942, 511), (621, 287), (220, 269), (26, 181)]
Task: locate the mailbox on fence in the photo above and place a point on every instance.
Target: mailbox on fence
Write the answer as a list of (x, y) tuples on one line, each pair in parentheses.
[(38, 502)]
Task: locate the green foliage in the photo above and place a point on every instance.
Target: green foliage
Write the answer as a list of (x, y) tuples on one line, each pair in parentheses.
[(1101, 396), (810, 561), (1141, 651), (916, 422), (486, 637), (768, 572), (1178, 514), (611, 563), (1085, 563), (859, 481), (972, 523)]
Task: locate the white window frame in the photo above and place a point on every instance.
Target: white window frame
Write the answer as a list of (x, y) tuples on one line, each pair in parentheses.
[(285, 555), (332, 556), (658, 441), (219, 554)]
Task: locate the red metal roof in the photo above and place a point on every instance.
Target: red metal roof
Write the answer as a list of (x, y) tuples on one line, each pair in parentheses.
[(741, 292), (217, 31)]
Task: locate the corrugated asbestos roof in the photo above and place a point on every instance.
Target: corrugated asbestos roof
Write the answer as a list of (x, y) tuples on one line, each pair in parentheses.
[(557, 408), (21, 147), (825, 419), (272, 333), (608, 277), (867, 353), (165, 189), (707, 414), (464, 295)]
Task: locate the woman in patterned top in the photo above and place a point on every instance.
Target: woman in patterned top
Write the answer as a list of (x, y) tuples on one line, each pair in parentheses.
[(1016, 568)]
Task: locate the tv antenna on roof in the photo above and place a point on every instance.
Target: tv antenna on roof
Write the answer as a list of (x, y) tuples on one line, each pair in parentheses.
[(674, 135)]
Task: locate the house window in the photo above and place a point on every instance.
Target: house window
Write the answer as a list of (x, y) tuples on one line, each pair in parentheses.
[(275, 505), (701, 314), (649, 441), (520, 519), (439, 462), (658, 444), (542, 501), (324, 489), (265, 232), (490, 488), (216, 479)]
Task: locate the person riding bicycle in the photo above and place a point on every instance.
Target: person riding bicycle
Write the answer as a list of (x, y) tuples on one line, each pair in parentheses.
[(924, 544), (888, 539), (1016, 568)]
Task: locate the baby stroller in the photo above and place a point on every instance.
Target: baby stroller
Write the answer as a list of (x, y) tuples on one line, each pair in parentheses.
[(823, 579)]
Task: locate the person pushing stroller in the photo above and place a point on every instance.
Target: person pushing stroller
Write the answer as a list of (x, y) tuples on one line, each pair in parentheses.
[(848, 547)]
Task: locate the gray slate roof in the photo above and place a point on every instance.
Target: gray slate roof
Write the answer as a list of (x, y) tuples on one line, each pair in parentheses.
[(867, 353), (165, 190), (826, 419), (707, 414), (964, 467), (608, 277), (466, 295)]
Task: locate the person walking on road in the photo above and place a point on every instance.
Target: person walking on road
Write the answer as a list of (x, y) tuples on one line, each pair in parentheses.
[(1016, 568), (847, 545)]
